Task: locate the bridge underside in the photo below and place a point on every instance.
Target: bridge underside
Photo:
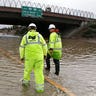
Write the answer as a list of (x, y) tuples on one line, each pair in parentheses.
[(13, 16)]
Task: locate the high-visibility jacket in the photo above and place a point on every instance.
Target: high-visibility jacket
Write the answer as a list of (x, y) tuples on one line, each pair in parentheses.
[(27, 47), (55, 44), (33, 48)]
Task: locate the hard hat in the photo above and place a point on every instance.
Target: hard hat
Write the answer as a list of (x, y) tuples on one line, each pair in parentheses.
[(51, 26), (32, 24)]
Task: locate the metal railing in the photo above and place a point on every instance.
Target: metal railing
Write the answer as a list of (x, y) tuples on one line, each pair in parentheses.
[(53, 9)]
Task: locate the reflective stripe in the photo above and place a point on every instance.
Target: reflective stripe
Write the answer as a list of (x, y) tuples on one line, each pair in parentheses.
[(52, 42), (22, 46), (25, 81), (58, 41), (57, 48), (26, 40), (39, 86), (44, 45), (33, 42), (38, 39)]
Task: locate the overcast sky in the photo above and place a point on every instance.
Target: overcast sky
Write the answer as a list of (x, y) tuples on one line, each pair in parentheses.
[(87, 5)]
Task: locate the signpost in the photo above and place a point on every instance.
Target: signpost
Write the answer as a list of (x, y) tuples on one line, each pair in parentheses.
[(31, 12)]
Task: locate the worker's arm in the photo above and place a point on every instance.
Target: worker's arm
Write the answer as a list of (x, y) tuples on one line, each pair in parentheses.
[(52, 40), (44, 45), (22, 48)]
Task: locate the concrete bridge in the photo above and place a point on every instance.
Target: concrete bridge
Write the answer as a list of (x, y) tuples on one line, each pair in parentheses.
[(10, 13)]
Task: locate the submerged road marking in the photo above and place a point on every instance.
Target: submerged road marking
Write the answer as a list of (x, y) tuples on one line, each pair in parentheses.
[(65, 90), (52, 82), (8, 54)]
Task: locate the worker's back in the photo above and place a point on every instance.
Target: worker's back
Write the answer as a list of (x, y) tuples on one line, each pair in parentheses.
[(33, 45)]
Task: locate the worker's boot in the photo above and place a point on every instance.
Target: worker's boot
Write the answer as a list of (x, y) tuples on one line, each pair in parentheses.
[(40, 91), (57, 73), (25, 83), (48, 69), (40, 88)]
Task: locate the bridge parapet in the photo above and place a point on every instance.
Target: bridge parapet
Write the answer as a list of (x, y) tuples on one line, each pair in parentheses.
[(53, 9)]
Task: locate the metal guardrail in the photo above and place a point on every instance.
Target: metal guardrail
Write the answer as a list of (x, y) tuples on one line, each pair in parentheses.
[(51, 8)]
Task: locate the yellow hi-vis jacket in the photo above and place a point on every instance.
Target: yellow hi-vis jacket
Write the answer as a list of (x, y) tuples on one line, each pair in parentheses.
[(33, 45), (56, 44)]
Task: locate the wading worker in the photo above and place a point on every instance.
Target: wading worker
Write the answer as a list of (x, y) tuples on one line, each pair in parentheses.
[(54, 49), (33, 49)]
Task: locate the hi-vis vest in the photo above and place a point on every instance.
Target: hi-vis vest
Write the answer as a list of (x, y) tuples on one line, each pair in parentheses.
[(56, 44), (33, 44)]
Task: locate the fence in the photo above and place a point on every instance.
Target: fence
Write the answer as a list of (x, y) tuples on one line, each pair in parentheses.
[(54, 9)]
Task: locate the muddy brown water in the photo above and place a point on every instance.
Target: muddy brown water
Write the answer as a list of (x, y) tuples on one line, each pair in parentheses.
[(78, 70)]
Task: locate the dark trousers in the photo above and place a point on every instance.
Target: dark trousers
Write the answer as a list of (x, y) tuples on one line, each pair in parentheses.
[(56, 62)]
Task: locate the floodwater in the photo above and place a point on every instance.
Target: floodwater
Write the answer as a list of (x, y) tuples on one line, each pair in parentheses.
[(78, 70)]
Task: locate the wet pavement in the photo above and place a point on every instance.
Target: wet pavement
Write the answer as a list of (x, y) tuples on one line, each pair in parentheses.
[(78, 70), (11, 73), (79, 67)]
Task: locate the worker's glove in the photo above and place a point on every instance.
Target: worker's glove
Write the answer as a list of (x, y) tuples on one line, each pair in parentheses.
[(47, 41), (45, 57), (22, 59)]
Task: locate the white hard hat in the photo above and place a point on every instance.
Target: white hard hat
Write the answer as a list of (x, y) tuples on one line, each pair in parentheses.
[(51, 26), (32, 24)]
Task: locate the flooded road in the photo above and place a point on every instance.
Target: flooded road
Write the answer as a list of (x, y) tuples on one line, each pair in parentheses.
[(78, 70)]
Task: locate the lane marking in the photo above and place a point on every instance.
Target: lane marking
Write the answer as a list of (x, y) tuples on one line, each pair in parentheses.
[(65, 90), (8, 54), (52, 82)]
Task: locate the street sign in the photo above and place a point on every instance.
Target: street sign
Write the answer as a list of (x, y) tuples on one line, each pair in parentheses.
[(31, 12)]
